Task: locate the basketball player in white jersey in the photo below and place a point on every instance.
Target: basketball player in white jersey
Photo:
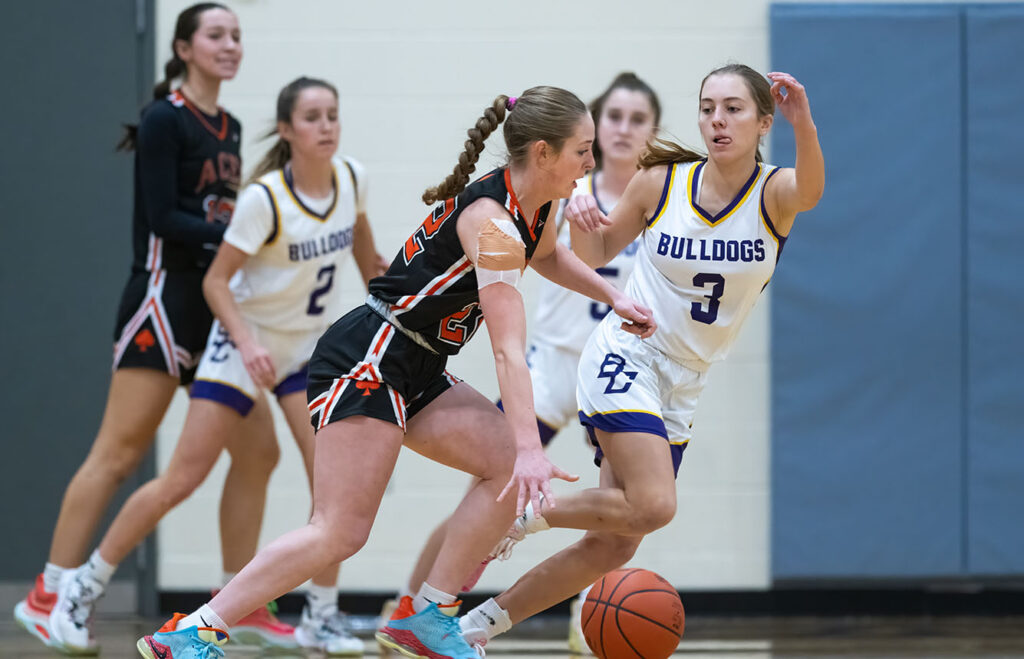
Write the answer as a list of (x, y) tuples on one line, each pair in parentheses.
[(626, 115), (711, 231), (273, 289)]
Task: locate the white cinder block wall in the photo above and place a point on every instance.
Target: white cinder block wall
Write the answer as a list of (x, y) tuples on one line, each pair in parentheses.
[(413, 77)]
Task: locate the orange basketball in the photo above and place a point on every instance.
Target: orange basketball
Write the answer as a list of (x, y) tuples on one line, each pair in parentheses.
[(632, 613)]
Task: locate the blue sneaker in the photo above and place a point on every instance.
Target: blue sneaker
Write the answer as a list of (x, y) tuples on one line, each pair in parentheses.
[(432, 633), (188, 643)]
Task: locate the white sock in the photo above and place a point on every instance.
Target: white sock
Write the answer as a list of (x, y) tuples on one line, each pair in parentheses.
[(489, 617), (51, 577), (99, 569), (225, 577), (430, 594), (322, 600), (203, 617)]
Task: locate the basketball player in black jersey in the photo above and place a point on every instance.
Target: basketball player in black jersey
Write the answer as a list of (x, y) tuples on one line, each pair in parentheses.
[(377, 379), (186, 174)]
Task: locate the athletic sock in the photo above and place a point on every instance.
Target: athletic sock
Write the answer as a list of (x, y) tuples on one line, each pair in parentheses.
[(430, 594), (322, 600), (99, 569), (51, 577), (489, 617), (203, 617)]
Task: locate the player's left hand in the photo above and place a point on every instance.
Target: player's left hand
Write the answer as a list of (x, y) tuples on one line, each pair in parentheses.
[(637, 319), (793, 103), (531, 477)]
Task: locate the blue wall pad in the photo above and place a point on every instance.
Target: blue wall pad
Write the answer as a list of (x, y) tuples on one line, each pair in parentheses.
[(866, 318), (995, 288)]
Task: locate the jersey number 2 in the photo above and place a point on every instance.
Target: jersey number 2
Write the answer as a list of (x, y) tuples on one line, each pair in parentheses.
[(697, 310), (326, 272)]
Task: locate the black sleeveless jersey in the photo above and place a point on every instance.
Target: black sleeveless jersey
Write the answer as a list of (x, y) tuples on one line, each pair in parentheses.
[(431, 285), (187, 172)]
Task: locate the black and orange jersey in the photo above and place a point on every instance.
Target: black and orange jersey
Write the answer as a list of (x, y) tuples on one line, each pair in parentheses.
[(431, 286), (187, 172)]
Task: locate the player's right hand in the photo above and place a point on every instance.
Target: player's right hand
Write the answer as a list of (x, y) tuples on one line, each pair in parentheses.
[(583, 211), (259, 365)]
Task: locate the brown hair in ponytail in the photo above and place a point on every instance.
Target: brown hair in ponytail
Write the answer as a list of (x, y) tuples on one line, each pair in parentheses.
[(184, 28), (665, 152), (281, 152), (543, 113)]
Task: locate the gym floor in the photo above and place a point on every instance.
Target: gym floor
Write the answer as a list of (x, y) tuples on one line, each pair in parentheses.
[(710, 638)]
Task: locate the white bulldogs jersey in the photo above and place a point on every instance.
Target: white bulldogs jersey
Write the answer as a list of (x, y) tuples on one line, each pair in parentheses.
[(565, 318), (297, 246), (701, 273)]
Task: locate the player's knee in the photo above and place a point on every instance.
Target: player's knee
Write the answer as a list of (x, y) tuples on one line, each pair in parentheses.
[(258, 458), (114, 466), (339, 541), (609, 551), (654, 513), (175, 488)]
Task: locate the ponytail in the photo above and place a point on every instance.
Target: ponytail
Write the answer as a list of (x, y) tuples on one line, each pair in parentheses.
[(478, 134), (660, 151), (275, 158)]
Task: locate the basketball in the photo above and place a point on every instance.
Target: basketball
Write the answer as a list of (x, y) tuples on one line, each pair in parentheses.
[(633, 613)]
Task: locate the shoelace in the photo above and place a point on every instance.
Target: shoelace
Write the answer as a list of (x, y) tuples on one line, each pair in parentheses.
[(81, 600), (450, 626), (208, 651), (335, 624)]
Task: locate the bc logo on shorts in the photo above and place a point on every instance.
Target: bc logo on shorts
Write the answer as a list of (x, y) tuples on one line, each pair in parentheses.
[(613, 366), (220, 345)]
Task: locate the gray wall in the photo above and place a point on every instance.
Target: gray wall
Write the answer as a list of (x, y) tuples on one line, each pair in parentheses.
[(74, 72)]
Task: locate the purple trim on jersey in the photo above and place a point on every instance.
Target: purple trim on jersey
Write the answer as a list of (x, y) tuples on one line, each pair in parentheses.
[(223, 394), (273, 209), (676, 449), (289, 181), (626, 422), (768, 219), (545, 431), (664, 193), (294, 382), (732, 204)]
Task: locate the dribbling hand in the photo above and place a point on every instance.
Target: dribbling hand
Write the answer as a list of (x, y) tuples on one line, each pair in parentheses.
[(531, 477)]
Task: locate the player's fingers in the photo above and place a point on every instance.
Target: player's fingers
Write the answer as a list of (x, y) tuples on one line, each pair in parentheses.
[(535, 499), (565, 476), (549, 497), (508, 486), (521, 499)]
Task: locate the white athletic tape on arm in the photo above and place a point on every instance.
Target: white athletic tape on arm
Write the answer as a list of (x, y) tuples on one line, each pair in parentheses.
[(501, 254)]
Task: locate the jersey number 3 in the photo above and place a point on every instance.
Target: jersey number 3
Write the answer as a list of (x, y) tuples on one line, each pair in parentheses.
[(697, 310)]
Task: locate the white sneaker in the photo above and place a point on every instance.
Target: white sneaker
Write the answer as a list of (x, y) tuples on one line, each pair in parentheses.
[(524, 525), (71, 617), (577, 642), (327, 633)]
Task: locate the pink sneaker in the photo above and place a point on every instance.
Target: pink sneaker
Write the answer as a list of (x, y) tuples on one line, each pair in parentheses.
[(263, 629)]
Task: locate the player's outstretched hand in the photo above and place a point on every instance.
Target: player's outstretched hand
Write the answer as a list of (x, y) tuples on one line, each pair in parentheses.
[(636, 318), (531, 477), (259, 365), (583, 211), (793, 104)]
